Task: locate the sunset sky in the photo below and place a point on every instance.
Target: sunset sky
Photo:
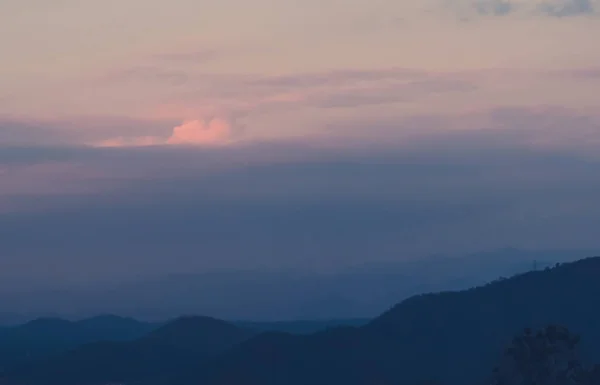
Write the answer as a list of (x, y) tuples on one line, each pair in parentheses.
[(292, 133)]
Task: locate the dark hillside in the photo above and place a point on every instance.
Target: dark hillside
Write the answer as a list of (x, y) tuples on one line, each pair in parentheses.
[(176, 346), (44, 337), (451, 336)]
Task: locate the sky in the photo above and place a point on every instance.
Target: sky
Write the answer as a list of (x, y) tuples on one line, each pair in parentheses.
[(144, 137)]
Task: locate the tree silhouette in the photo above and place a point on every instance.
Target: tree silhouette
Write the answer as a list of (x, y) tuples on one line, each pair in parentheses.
[(546, 357)]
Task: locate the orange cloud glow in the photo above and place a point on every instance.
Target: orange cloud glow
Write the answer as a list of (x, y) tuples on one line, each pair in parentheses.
[(198, 132), (130, 142), (191, 132)]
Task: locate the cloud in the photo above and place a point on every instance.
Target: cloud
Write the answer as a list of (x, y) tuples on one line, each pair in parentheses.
[(248, 92), (447, 183), (566, 8), (342, 89), (198, 132), (130, 142), (386, 93), (15, 131), (468, 9), (544, 128), (336, 78), (494, 7), (449, 191), (587, 73), (146, 73), (259, 94), (195, 56), (280, 106), (213, 132), (553, 8), (78, 130)]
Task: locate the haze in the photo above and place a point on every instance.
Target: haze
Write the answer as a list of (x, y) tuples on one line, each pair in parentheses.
[(141, 139)]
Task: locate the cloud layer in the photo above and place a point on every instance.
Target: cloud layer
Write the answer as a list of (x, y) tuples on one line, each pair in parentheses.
[(569, 8), (371, 130), (552, 8), (213, 132), (295, 207), (197, 132), (213, 109)]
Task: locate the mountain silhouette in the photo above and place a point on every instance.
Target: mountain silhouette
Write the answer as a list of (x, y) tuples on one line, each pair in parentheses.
[(199, 334), (43, 337), (176, 346), (455, 338), (300, 327), (97, 339), (451, 337)]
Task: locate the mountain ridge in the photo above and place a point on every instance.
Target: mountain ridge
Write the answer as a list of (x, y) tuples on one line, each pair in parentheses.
[(454, 337), (442, 332)]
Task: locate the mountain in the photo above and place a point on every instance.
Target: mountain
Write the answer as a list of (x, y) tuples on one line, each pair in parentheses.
[(301, 327), (204, 335), (44, 337), (176, 346), (453, 337)]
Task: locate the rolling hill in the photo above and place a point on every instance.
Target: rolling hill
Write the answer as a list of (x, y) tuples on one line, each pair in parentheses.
[(44, 337), (176, 346), (454, 337)]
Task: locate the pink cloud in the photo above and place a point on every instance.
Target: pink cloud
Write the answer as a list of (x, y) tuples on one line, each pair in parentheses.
[(130, 142), (197, 132)]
